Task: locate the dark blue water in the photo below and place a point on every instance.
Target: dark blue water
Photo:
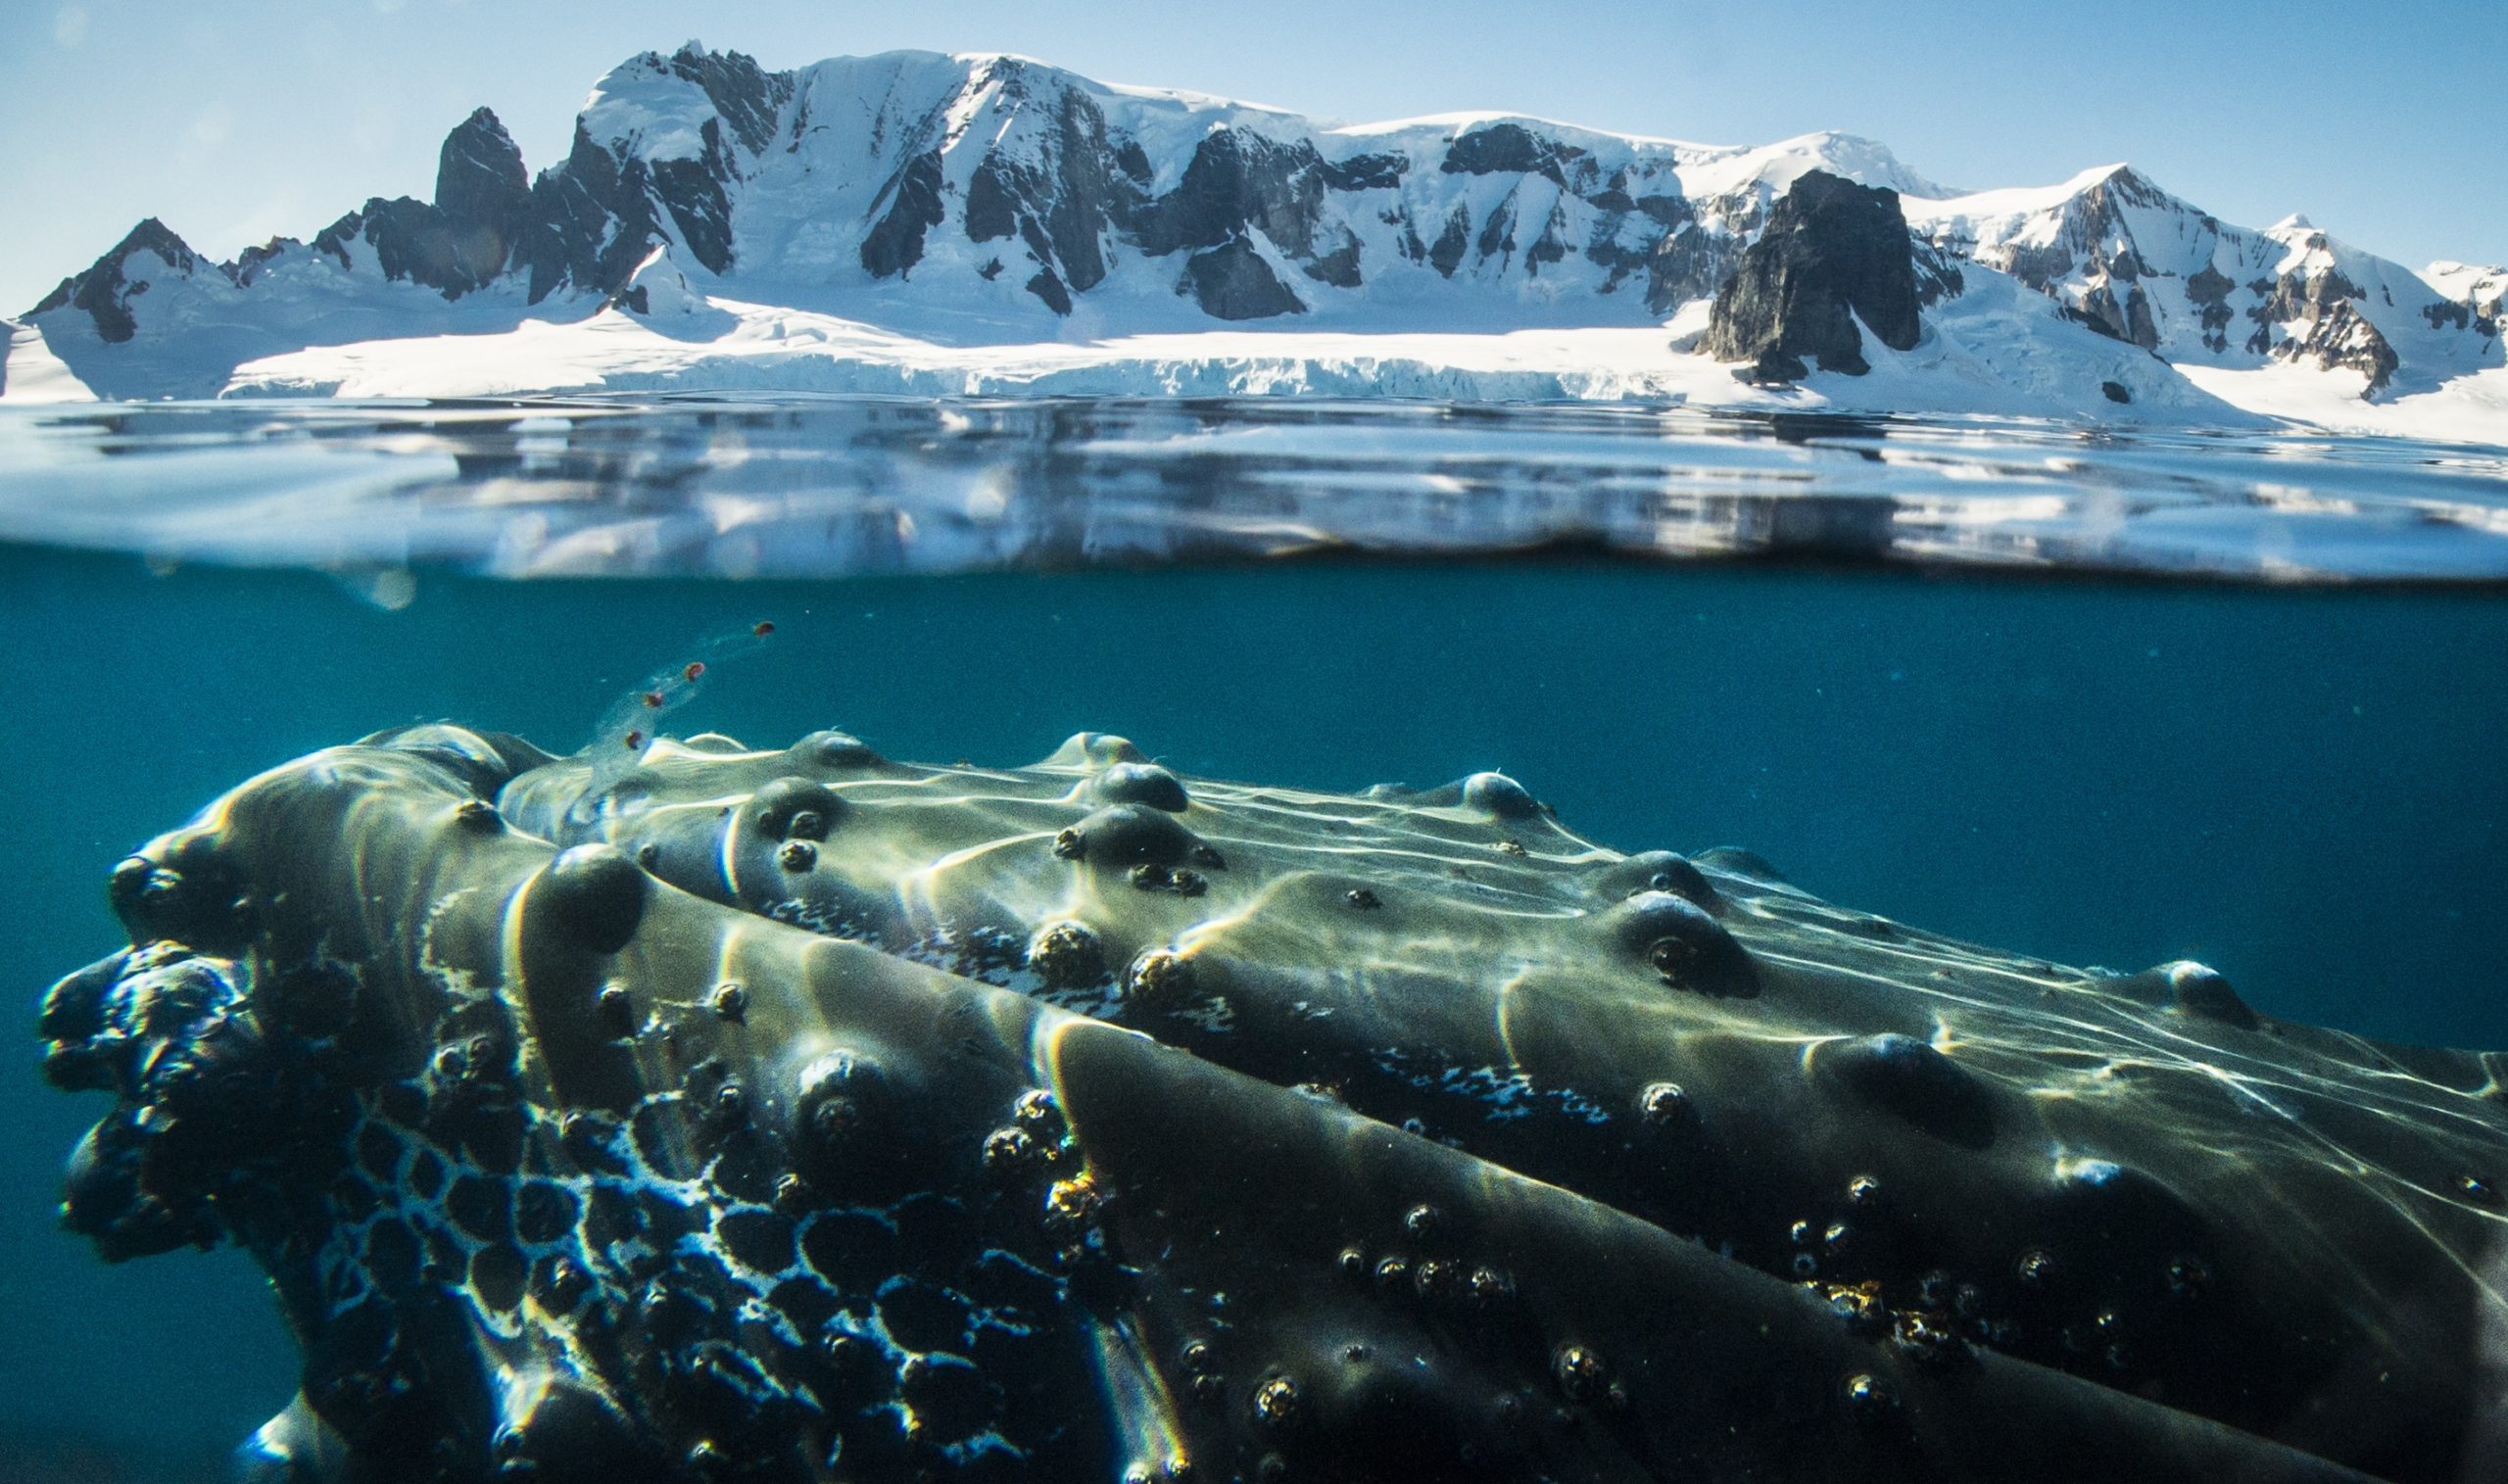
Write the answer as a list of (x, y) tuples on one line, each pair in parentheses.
[(2306, 788)]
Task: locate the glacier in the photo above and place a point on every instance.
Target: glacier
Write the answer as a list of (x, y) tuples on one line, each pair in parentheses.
[(986, 224)]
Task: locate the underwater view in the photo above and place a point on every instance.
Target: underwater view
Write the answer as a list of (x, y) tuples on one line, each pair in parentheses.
[(1629, 744), (870, 938)]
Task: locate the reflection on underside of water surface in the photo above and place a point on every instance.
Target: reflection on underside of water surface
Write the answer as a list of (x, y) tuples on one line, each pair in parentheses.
[(813, 486)]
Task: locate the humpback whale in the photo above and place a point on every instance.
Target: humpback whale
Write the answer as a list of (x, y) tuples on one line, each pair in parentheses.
[(696, 1111)]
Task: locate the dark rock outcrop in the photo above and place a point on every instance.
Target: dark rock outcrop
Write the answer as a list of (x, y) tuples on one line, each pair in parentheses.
[(1062, 204), (2208, 290), (591, 221), (748, 96), (1231, 281), (1050, 290), (1833, 252), (1510, 149), (913, 198), (479, 179), (1692, 261), (105, 291), (2343, 336), (1367, 173), (2329, 328), (1937, 276), (2446, 315), (2128, 319), (1239, 180), (1452, 239), (463, 240), (598, 214)]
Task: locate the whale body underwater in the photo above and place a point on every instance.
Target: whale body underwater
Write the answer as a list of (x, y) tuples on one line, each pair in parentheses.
[(694, 1112)]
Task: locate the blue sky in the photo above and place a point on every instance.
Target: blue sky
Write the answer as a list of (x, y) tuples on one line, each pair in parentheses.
[(233, 122)]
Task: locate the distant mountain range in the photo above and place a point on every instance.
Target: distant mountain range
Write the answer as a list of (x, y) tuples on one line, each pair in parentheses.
[(918, 222)]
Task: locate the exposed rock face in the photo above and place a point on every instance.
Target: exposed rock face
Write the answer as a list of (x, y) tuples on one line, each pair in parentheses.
[(2339, 335), (1234, 183), (913, 195), (479, 180), (104, 292), (2207, 290), (464, 239), (2479, 297), (1937, 273), (2128, 319), (2315, 315), (696, 1111), (1237, 181), (1231, 281), (1062, 202), (598, 215), (1832, 250), (593, 221), (1510, 149)]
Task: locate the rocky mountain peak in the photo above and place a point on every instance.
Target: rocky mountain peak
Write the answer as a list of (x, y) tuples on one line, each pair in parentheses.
[(463, 240), (744, 95), (479, 174), (104, 292)]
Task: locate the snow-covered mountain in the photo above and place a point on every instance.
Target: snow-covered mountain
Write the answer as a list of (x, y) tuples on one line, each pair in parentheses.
[(2141, 265), (919, 221)]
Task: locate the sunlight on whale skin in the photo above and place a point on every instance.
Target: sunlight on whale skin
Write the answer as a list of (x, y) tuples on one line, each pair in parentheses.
[(690, 1112)]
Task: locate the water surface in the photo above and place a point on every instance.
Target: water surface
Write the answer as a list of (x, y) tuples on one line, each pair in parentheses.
[(837, 486)]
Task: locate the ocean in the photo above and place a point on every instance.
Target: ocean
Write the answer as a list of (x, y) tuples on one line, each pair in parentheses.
[(2089, 700)]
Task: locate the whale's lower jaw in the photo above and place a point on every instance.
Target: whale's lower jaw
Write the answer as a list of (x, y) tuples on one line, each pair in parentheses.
[(800, 1114)]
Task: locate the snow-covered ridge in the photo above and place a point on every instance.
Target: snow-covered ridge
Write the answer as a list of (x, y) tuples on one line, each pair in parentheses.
[(902, 210), (2148, 267)]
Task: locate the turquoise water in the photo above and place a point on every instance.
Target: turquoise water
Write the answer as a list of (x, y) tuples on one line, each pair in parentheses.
[(2302, 786)]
